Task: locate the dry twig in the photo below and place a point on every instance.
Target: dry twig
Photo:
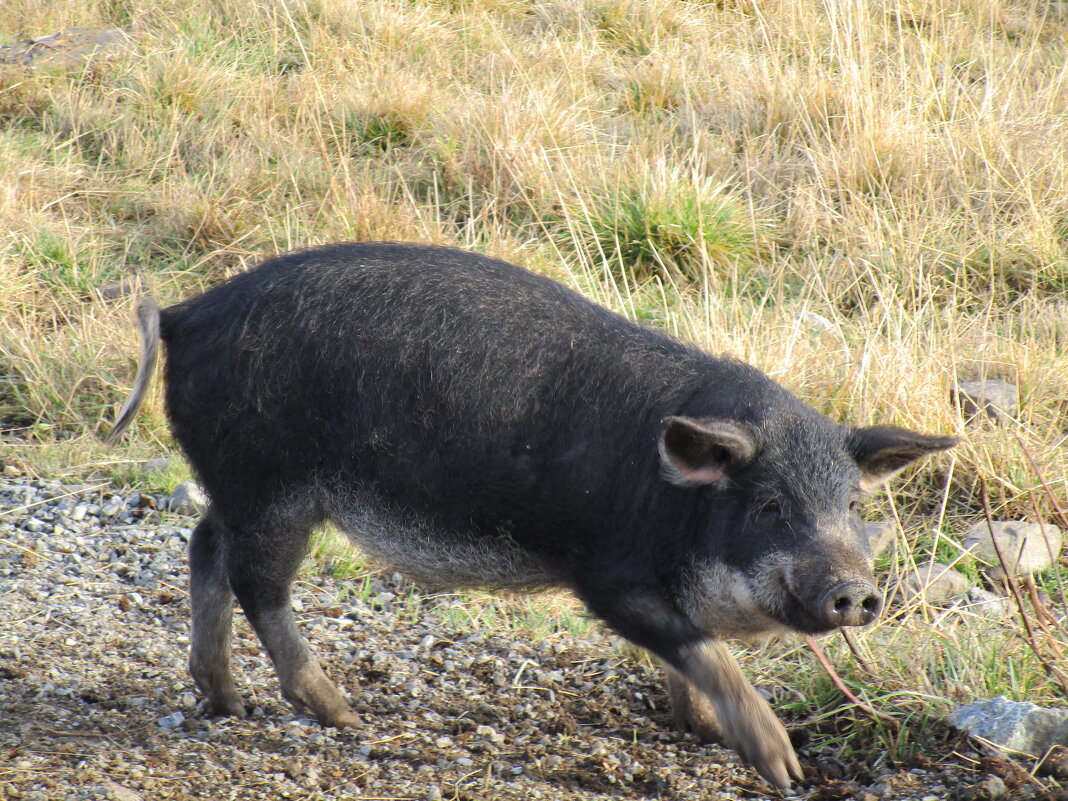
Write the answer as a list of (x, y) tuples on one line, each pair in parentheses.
[(829, 667)]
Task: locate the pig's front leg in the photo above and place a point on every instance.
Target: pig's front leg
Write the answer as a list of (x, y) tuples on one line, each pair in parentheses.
[(747, 723)]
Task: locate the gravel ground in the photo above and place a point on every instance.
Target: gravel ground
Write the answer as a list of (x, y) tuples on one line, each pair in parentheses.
[(96, 702)]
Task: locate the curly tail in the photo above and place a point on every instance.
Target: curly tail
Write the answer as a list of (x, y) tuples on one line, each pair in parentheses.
[(148, 322)]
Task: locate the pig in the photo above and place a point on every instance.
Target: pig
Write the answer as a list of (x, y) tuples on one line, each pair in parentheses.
[(470, 423)]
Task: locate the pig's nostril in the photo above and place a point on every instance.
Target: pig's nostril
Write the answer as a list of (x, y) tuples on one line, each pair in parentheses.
[(850, 603)]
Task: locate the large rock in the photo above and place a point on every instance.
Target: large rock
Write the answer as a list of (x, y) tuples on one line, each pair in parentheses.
[(936, 582), (69, 49), (993, 397), (1017, 726), (1026, 547)]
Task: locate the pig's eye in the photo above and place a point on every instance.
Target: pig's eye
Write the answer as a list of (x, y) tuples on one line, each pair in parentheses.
[(768, 511), (854, 506)]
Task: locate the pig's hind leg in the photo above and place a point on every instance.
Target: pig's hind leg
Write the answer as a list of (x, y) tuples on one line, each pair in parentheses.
[(262, 558), (691, 710), (213, 609)]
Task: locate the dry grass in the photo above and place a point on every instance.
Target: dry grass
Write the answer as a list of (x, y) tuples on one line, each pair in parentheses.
[(723, 170)]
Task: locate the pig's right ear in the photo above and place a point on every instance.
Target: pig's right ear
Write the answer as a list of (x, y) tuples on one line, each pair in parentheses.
[(697, 451), (882, 452)]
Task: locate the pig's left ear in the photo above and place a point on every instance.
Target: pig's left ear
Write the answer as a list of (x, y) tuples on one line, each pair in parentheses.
[(703, 450), (883, 451)]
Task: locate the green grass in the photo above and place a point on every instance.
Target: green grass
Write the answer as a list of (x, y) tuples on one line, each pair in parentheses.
[(674, 226)]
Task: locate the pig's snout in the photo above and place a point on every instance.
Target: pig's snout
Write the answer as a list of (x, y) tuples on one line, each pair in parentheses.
[(850, 603)]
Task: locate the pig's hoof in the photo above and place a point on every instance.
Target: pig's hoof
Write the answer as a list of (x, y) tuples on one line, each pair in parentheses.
[(225, 707), (761, 740), (340, 719), (774, 759)]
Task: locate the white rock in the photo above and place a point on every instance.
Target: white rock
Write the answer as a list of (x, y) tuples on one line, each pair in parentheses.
[(116, 792), (937, 583), (69, 49), (1026, 547), (816, 321), (996, 398), (880, 535)]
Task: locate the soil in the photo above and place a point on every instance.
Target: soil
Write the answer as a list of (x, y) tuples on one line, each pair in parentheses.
[(96, 701)]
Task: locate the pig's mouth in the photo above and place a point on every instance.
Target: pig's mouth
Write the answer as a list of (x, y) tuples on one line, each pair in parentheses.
[(794, 613)]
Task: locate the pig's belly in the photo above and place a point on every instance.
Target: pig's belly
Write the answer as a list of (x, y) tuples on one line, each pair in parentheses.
[(432, 555)]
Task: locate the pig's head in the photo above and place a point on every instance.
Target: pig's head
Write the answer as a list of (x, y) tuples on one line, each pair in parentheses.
[(782, 545)]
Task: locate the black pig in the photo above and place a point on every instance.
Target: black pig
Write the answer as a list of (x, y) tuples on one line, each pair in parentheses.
[(470, 423)]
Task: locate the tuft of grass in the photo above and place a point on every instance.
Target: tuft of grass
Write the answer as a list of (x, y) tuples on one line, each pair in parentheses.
[(678, 227)]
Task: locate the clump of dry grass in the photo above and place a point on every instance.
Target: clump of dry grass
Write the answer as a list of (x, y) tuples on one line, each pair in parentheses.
[(722, 170)]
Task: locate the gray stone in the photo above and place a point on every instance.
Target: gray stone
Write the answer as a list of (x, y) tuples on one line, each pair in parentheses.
[(172, 721), (119, 289), (993, 397), (1026, 547), (69, 49), (987, 604), (187, 499), (993, 787), (1017, 726), (936, 582), (880, 535)]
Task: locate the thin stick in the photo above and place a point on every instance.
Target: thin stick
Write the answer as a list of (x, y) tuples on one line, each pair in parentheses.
[(1050, 669), (1043, 615), (1061, 517), (829, 667), (861, 662)]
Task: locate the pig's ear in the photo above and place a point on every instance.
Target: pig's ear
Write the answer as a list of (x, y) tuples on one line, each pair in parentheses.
[(696, 451), (883, 451)]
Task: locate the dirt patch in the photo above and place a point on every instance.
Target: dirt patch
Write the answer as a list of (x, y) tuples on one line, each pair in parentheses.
[(97, 702)]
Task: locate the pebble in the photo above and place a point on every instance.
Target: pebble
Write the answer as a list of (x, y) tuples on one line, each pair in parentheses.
[(993, 787), (172, 721)]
